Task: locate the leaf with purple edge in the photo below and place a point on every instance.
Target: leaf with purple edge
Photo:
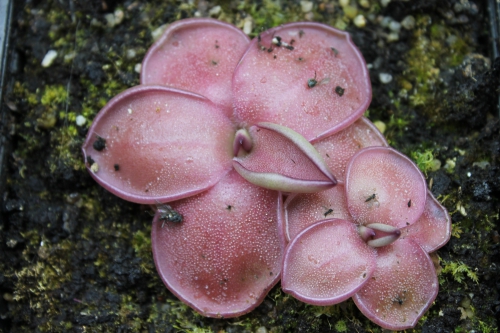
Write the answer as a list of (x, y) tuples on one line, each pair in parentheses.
[(327, 263), (160, 144), (402, 288)]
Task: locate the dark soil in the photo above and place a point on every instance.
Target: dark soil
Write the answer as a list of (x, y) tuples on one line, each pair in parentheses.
[(75, 258)]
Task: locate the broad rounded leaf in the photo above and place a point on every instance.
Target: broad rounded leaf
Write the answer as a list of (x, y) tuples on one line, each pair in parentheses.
[(326, 263), (337, 149), (384, 186), (402, 288), (305, 209), (433, 228), (226, 254), (157, 144), (305, 76), (197, 55)]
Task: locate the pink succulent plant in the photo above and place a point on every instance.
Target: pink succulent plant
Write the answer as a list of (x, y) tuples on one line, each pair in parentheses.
[(382, 223), (220, 128)]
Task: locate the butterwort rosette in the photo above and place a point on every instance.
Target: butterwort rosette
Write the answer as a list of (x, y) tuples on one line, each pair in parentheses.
[(368, 238), (219, 128)]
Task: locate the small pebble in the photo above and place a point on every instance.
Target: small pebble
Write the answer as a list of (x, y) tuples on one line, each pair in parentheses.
[(408, 22), (119, 16), (385, 78), (214, 11), (395, 26), (350, 11), (392, 37), (306, 6), (364, 3), (49, 58), (80, 120), (248, 25), (155, 34), (130, 53), (94, 167), (380, 125), (386, 21), (360, 21)]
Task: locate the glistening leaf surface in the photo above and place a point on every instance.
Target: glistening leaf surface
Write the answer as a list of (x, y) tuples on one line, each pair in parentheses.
[(433, 228), (161, 144), (384, 186), (226, 254), (319, 87), (197, 55), (326, 263), (402, 288)]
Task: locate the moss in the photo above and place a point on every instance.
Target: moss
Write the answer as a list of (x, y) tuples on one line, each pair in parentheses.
[(427, 58), (340, 326), (425, 160), (458, 271)]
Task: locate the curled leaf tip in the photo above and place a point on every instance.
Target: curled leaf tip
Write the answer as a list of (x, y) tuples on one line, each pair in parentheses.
[(280, 159), (243, 140), (379, 234), (278, 182)]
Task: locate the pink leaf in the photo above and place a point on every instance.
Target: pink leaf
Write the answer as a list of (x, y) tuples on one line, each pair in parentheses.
[(433, 228), (161, 144), (327, 263), (384, 186), (338, 148), (305, 76), (197, 55), (402, 288), (305, 209), (281, 159), (226, 254)]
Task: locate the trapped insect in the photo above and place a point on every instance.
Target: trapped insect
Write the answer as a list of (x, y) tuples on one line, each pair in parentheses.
[(371, 197), (167, 213)]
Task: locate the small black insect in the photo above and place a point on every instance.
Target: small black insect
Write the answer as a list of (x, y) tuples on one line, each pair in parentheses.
[(168, 214), (90, 160), (301, 33), (216, 45), (335, 52), (400, 298), (371, 197), (339, 90), (289, 47), (229, 207), (409, 203), (328, 212), (117, 167), (312, 82), (277, 41), (99, 144), (214, 62), (292, 41)]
